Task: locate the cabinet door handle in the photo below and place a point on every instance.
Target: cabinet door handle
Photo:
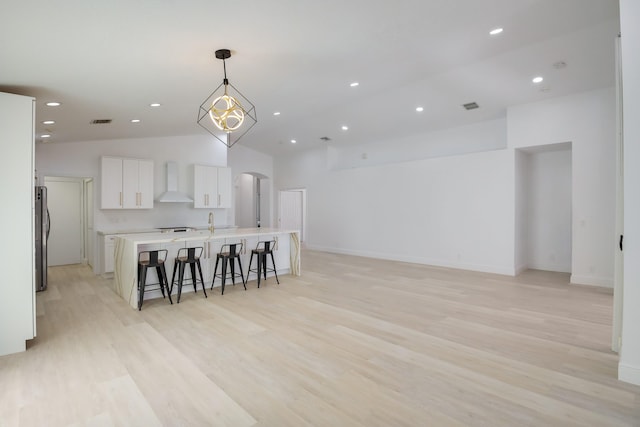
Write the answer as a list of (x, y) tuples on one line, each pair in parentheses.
[(218, 200), (140, 199), (121, 198)]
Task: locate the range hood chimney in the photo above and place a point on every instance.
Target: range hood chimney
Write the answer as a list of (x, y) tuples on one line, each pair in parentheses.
[(172, 195)]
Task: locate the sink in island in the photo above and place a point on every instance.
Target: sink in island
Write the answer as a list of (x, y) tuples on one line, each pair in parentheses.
[(127, 247)]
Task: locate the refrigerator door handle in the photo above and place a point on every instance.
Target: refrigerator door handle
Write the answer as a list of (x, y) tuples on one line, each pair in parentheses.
[(48, 223)]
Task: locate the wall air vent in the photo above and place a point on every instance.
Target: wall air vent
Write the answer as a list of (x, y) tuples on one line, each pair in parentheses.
[(471, 106), (325, 138), (101, 121)]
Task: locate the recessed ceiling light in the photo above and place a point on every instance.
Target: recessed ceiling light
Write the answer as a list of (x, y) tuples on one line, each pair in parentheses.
[(155, 104), (293, 141), (419, 109), (48, 122), (53, 104), (496, 31), (537, 79), (135, 120), (354, 84), (46, 135), (345, 127), (277, 113)]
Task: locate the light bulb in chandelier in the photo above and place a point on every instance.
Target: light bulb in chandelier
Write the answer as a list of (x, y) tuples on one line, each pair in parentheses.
[(227, 113)]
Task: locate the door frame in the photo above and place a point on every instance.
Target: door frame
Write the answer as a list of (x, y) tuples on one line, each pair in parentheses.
[(85, 206)]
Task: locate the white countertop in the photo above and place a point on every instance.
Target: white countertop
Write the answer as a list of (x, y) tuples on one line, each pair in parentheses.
[(157, 229), (157, 237)]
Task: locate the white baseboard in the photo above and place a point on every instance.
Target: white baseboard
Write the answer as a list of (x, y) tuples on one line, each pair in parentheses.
[(606, 282), (417, 260), (629, 374), (520, 269), (550, 267)]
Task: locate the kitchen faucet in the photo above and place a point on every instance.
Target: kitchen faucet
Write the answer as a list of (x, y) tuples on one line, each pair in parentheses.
[(211, 227)]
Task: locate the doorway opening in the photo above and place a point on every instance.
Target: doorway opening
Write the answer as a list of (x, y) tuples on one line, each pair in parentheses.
[(70, 204), (253, 200), (544, 208)]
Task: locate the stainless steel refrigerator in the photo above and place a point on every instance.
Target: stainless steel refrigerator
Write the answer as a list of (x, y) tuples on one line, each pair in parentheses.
[(42, 228)]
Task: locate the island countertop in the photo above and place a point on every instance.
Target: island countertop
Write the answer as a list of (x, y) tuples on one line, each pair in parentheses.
[(129, 245), (225, 233)]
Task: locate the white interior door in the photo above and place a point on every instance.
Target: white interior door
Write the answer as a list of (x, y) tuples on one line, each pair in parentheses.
[(292, 211), (65, 208)]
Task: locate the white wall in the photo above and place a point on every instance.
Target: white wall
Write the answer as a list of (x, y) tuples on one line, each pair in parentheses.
[(629, 366), (449, 211), (587, 120), (82, 159), (473, 138), (460, 210)]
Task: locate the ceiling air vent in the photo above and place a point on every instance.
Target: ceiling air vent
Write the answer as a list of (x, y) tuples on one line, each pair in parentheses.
[(470, 106), (101, 121), (325, 138)]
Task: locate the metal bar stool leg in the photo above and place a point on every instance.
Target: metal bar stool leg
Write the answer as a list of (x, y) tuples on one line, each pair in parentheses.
[(224, 273), (180, 277), (173, 276), (201, 277), (215, 271), (194, 279), (274, 268), (244, 282), (143, 280)]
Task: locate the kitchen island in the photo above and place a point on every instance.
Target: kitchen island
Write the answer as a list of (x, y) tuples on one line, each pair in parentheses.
[(127, 247)]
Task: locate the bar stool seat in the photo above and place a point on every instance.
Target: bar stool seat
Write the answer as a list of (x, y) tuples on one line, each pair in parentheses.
[(229, 253), (152, 259), (263, 248), (190, 256)]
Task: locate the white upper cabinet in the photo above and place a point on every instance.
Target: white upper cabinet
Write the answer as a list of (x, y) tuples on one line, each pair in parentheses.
[(212, 187), (126, 183)]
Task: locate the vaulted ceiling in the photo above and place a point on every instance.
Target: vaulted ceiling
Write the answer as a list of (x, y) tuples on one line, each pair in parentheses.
[(112, 59)]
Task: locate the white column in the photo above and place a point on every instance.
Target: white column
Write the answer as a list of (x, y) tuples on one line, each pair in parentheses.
[(629, 364)]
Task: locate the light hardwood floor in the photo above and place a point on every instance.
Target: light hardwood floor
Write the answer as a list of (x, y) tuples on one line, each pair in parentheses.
[(352, 342)]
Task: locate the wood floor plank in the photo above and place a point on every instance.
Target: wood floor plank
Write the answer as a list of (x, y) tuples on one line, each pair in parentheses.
[(351, 342)]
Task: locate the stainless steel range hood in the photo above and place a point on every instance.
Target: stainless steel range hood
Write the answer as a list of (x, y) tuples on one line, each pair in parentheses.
[(172, 195)]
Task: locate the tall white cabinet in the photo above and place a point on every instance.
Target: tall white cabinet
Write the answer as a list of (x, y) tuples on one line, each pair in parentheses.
[(17, 287), (126, 183), (211, 187)]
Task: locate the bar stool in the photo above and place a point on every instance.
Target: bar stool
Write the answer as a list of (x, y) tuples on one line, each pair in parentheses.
[(263, 248), (229, 253), (189, 256), (152, 259)]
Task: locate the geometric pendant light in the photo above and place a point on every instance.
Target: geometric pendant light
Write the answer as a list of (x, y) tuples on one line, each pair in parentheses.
[(226, 113)]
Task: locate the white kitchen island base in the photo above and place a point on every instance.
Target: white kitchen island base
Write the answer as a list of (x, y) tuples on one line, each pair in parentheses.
[(127, 247)]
